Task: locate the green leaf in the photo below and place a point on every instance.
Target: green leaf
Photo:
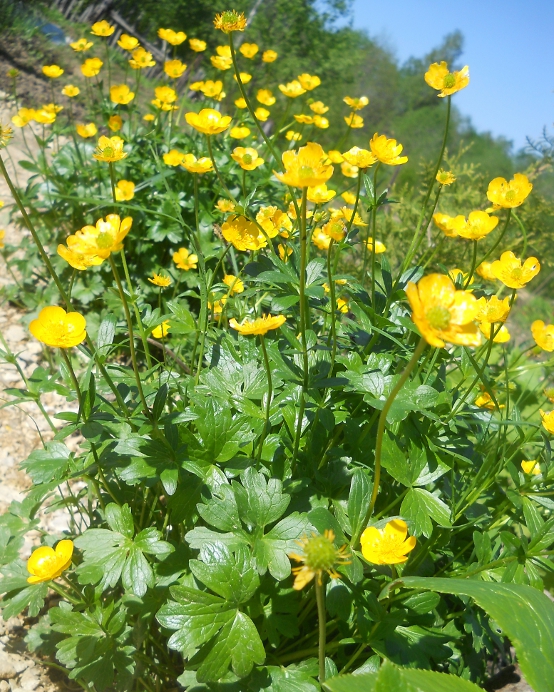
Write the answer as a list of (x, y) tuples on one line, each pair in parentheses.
[(18, 593), (120, 519), (51, 463), (233, 577), (358, 500), (271, 551), (420, 506), (524, 614), (106, 333), (260, 501)]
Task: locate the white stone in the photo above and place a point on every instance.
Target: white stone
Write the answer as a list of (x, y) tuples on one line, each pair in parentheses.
[(7, 669)]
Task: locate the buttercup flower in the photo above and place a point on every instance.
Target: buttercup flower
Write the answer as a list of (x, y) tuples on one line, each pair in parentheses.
[(444, 223), (292, 89), (194, 165), (217, 306), (387, 150), (46, 563), (346, 213), (174, 68), (86, 131), (485, 271), (141, 59), (173, 158), (221, 62), (304, 119), (460, 277), (438, 77), (24, 117), (165, 98), (354, 121), (319, 107), (234, 283), (362, 158), (149, 117), (247, 158), (265, 97), (230, 21), (318, 556), (320, 194), (478, 225), (543, 335), (242, 233), (52, 71), (335, 156), (197, 45), (91, 67), (442, 313), (335, 229), (70, 91), (261, 325), (93, 244), (308, 81), (208, 121), (175, 38), (501, 336), (320, 239), (120, 93), (225, 205), (240, 103), (58, 329), (239, 132), (52, 108), (339, 282), (342, 306), (274, 221), (321, 122), (512, 272), (284, 252), (161, 330), (306, 167), (531, 467), (159, 280), (110, 149), (249, 50), (128, 42), (124, 190), (492, 310), (81, 45), (115, 123), (2, 236), (445, 177), (184, 259), (262, 114), (509, 195), (6, 134), (213, 90), (548, 421), (269, 56), (388, 546), (196, 86), (45, 116), (349, 197), (293, 136), (356, 104), (348, 170), (102, 28), (485, 400), (379, 246)]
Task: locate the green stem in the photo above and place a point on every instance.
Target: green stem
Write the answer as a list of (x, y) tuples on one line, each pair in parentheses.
[(373, 238), (320, 597), (216, 169), (473, 266), (499, 239), (269, 396), (333, 308), (73, 379)]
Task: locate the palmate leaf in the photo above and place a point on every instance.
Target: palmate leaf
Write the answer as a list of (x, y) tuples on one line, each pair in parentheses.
[(18, 594)]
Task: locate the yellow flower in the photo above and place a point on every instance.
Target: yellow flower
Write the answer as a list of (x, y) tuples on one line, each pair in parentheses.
[(196, 86), (291, 135), (225, 205), (339, 282), (485, 400), (81, 45), (273, 221), (102, 28), (335, 156), (2, 236), (304, 119), (173, 158), (128, 42), (161, 330), (240, 103), (70, 91), (485, 271), (208, 121), (260, 325), (388, 546), (318, 557), (319, 107), (159, 280), (115, 123), (342, 306), (45, 116), (184, 259), (242, 233), (86, 131), (348, 170), (362, 158), (320, 239), (120, 93), (460, 277), (6, 134), (492, 310), (478, 225), (124, 190), (197, 45), (141, 59), (52, 71), (321, 122), (194, 165), (320, 194), (269, 56), (93, 244), (231, 20), (52, 108), (247, 158), (265, 97), (165, 97), (354, 121), (91, 67), (387, 150), (543, 335), (221, 63), (234, 283), (356, 104), (509, 194), (305, 167), (110, 149), (445, 177), (24, 117), (548, 421), (444, 223), (309, 82), (46, 563), (149, 117), (501, 336), (175, 38), (444, 81), (217, 306), (346, 213), (249, 50), (379, 246), (335, 229), (442, 313), (262, 114), (284, 252), (58, 329), (349, 197), (174, 68), (512, 273), (531, 467), (239, 132), (292, 89), (213, 89)]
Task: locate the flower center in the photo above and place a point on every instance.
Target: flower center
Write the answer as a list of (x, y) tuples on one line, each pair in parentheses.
[(108, 151), (305, 172), (104, 240), (320, 553), (449, 81), (510, 195), (247, 159), (438, 317)]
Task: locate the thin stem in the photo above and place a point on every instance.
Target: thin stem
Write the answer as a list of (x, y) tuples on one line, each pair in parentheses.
[(473, 265), (73, 379), (333, 308), (216, 169), (320, 597), (499, 239), (373, 238), (269, 396)]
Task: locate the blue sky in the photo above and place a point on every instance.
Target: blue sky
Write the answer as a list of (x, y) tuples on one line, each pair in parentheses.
[(509, 47)]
